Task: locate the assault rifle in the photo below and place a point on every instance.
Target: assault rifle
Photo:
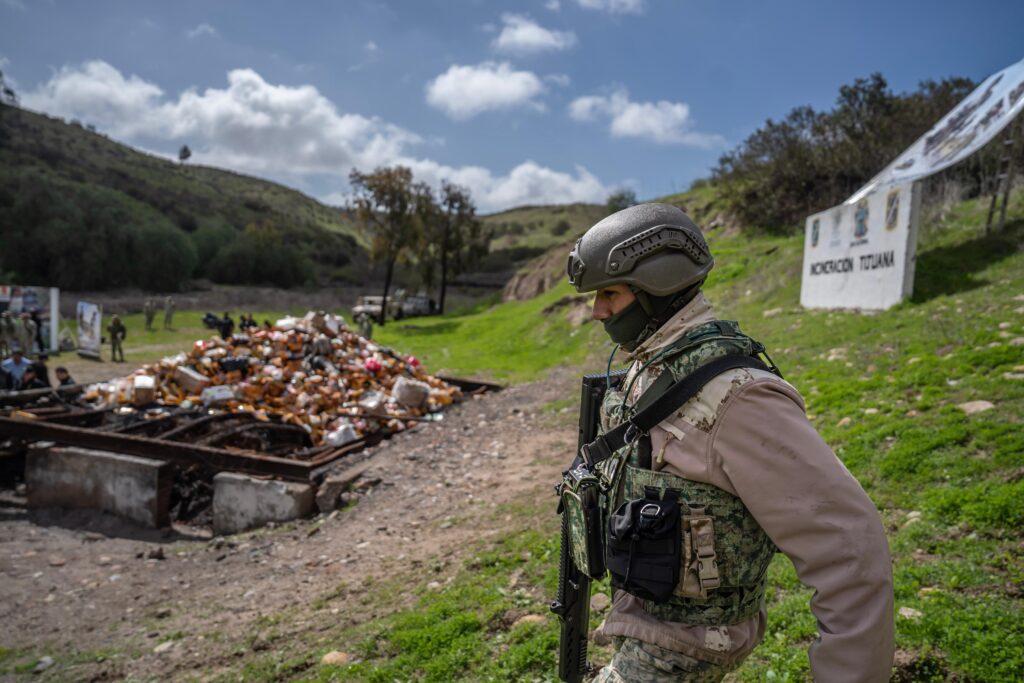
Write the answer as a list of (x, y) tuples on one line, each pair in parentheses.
[(572, 604)]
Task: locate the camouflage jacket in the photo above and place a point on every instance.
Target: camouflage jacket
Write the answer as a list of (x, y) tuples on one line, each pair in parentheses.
[(746, 434)]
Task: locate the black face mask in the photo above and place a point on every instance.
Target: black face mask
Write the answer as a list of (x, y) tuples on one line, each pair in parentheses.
[(626, 326), (632, 325)]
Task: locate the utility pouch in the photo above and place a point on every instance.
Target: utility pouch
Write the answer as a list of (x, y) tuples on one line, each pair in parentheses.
[(580, 493), (644, 545)]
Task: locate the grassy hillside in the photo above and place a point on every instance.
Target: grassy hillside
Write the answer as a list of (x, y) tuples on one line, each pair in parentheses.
[(527, 231), (201, 201), (883, 390)]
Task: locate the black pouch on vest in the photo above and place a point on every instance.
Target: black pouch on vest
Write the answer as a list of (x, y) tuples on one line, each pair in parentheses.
[(644, 545)]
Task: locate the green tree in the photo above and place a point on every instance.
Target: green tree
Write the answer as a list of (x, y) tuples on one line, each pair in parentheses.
[(385, 205), (453, 236), (184, 154), (620, 199), (810, 160), (258, 255), (7, 94)]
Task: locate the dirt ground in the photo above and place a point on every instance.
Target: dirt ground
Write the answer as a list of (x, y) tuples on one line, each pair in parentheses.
[(108, 601)]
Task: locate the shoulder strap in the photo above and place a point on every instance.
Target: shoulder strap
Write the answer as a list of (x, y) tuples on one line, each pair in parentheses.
[(669, 402)]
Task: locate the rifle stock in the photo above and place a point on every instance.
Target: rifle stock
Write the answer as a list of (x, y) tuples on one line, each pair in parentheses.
[(572, 604)]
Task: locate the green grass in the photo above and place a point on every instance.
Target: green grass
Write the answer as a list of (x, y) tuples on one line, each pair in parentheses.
[(899, 379), (515, 341), (886, 402)]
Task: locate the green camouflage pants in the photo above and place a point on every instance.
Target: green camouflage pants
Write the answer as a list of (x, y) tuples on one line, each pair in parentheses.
[(636, 660)]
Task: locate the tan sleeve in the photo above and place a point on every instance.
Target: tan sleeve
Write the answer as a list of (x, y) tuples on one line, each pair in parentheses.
[(815, 512)]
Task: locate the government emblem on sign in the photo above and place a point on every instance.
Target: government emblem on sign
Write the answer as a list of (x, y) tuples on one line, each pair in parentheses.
[(815, 232), (860, 220), (892, 209)]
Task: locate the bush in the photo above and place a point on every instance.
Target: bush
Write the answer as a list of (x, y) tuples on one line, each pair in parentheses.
[(258, 256), (87, 237), (809, 161)]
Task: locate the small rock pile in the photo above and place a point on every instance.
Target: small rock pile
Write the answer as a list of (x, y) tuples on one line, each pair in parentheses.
[(313, 372)]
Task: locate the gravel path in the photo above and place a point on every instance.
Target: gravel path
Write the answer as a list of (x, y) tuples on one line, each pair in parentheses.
[(107, 601)]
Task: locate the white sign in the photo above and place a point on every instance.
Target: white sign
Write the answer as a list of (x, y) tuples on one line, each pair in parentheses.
[(44, 305), (960, 133), (862, 255), (90, 329)]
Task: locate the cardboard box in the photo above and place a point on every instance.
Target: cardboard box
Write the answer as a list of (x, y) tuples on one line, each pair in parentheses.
[(143, 390), (190, 380)]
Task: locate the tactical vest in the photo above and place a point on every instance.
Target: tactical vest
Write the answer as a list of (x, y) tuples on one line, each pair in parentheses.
[(725, 552)]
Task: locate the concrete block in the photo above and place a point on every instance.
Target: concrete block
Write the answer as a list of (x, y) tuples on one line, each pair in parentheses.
[(124, 485), (336, 484), (242, 502)]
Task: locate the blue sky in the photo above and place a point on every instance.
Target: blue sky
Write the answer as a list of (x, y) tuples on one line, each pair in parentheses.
[(529, 102)]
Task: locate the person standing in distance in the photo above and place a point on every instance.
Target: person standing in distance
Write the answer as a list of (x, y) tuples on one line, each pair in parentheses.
[(748, 466), (117, 332), (168, 312)]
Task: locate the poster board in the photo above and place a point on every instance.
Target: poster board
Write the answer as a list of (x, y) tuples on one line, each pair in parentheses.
[(862, 255), (43, 303), (89, 318), (978, 118)]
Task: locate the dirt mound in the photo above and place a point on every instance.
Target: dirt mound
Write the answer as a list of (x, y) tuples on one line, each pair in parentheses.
[(539, 275)]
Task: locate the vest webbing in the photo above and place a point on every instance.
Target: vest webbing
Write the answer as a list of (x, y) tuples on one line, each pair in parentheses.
[(740, 534), (667, 398)]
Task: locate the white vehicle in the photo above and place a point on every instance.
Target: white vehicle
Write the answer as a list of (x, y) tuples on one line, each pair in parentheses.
[(400, 305)]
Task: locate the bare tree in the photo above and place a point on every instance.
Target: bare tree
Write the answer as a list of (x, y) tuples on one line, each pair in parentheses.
[(463, 241), (385, 205)]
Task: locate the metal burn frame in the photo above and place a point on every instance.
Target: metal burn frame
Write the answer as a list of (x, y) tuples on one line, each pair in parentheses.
[(78, 428)]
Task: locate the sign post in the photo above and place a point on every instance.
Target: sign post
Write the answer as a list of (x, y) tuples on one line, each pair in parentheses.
[(862, 255), (90, 329)]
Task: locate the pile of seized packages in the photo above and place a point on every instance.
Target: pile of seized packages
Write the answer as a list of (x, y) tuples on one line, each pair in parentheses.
[(313, 372)]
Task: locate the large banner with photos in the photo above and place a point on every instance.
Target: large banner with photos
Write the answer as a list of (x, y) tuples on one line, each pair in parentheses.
[(90, 329), (963, 131), (861, 255)]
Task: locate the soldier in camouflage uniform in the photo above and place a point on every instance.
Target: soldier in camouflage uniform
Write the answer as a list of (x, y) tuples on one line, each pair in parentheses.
[(8, 334), (751, 474), (149, 311)]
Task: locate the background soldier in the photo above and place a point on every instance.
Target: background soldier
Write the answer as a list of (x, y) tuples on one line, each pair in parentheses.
[(751, 474), (168, 312), (149, 311), (117, 332), (226, 326), (7, 334), (27, 334), (365, 323)]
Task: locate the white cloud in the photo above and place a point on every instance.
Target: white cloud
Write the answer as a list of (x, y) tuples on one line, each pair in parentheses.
[(553, 5), (462, 92), (371, 46), (521, 35), (99, 94), (292, 133), (250, 125), (527, 183), (663, 122), (615, 6), (561, 80), (201, 30)]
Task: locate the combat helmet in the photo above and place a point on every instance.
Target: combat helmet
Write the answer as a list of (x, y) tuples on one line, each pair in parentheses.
[(654, 249)]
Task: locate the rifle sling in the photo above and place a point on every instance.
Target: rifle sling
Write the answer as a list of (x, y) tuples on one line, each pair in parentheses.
[(662, 406)]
